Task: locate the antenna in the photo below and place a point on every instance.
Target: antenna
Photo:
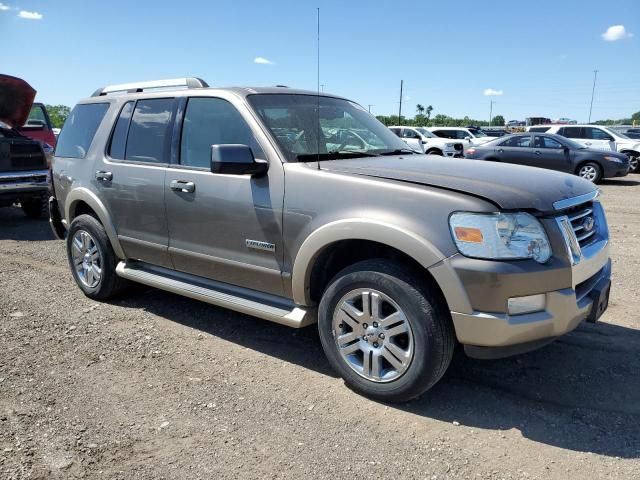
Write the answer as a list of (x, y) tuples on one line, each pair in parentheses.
[(318, 96)]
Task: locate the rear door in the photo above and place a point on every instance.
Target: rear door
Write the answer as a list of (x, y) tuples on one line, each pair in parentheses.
[(130, 178), (413, 139), (515, 149), (551, 154)]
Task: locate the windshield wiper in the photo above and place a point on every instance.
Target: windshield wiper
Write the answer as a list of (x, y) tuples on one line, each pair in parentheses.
[(398, 151), (333, 155)]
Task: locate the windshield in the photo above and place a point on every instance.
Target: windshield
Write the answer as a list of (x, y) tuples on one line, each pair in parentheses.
[(478, 133), (346, 129), (425, 132), (616, 133)]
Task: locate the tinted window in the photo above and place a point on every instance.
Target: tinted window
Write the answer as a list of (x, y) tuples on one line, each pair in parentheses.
[(546, 142), (460, 134), (396, 131), (79, 130), (520, 141), (149, 137), (445, 133), (119, 138), (596, 134), (212, 121), (408, 133), (570, 132)]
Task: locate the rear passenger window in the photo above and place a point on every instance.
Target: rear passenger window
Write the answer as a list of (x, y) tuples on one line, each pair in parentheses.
[(570, 132), (119, 138), (212, 121), (149, 134), (79, 129)]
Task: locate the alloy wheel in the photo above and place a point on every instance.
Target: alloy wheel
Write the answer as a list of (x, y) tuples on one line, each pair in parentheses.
[(589, 172), (86, 258), (373, 335)]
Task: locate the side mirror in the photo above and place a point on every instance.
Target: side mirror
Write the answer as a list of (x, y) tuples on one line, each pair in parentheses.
[(234, 159), (467, 138)]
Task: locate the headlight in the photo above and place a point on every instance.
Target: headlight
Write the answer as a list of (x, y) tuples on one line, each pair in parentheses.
[(500, 236), (613, 159)]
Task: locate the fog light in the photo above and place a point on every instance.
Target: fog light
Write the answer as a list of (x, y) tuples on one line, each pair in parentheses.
[(529, 304)]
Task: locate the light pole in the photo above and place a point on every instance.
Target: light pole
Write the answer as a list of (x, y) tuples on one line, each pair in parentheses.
[(593, 90), (400, 108), (491, 110), (371, 105)]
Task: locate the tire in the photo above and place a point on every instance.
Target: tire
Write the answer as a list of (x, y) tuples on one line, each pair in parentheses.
[(87, 236), (634, 163), (33, 207), (421, 355), (590, 171), (434, 151)]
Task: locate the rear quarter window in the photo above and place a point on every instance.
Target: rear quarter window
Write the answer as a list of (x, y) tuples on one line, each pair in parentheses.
[(79, 129)]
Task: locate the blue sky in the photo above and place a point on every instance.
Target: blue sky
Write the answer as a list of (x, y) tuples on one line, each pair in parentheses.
[(540, 55)]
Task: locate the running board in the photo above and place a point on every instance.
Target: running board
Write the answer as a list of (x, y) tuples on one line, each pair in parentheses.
[(267, 307)]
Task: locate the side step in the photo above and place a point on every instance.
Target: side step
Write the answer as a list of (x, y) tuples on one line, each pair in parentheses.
[(265, 306)]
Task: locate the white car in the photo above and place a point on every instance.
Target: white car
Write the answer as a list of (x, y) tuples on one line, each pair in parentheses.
[(422, 140), (472, 136), (601, 138)]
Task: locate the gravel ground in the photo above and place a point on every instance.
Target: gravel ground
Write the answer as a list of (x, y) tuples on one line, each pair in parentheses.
[(158, 386)]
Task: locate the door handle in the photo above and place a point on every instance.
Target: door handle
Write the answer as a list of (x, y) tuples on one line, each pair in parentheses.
[(104, 176), (499, 150), (537, 152), (587, 143), (182, 186)]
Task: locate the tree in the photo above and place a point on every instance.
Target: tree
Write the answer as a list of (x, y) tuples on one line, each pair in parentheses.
[(636, 118), (420, 109), (498, 120), (58, 114), (429, 110)]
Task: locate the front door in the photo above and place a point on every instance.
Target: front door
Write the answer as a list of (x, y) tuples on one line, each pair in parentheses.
[(224, 227), (551, 154), (515, 150), (598, 139)]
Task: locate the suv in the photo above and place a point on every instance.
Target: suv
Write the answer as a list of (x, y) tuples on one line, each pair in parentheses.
[(23, 164), (422, 140), (602, 138), (474, 136), (246, 198)]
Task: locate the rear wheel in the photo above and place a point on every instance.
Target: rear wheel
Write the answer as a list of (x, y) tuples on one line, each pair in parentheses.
[(33, 207), (590, 171), (388, 336), (92, 259)]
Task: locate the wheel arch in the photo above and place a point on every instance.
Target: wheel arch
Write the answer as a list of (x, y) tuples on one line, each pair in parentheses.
[(81, 199), (377, 236)]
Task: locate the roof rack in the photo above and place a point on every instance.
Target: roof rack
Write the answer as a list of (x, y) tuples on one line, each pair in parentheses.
[(136, 87)]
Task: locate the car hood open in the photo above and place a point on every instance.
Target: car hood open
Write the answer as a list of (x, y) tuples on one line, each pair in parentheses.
[(506, 185), (16, 99)]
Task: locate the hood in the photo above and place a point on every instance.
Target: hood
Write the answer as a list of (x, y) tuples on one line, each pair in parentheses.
[(506, 185), (16, 99)]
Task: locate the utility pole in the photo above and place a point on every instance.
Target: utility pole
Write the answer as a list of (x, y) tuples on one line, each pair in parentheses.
[(371, 105), (595, 74), (322, 87), (491, 110), (400, 109)]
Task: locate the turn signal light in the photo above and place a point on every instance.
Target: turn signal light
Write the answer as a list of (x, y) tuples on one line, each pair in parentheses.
[(471, 151), (467, 234)]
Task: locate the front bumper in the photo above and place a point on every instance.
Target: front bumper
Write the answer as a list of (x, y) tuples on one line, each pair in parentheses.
[(575, 284), (21, 184)]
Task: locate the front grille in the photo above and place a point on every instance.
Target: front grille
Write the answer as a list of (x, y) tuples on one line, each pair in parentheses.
[(18, 154), (457, 146), (583, 222)]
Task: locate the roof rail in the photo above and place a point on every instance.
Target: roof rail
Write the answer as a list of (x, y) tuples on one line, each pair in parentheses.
[(187, 82)]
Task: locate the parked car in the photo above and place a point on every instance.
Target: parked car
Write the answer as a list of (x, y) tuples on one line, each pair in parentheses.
[(23, 165), (38, 126), (629, 131), (422, 140), (602, 138), (473, 136), (495, 132), (539, 128), (555, 153), (513, 123), (565, 121), (397, 258)]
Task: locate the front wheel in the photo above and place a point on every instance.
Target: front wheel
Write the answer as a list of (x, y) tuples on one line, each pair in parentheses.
[(387, 334), (634, 164), (590, 171)]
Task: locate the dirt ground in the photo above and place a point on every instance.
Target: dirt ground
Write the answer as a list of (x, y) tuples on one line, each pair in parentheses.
[(156, 386)]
